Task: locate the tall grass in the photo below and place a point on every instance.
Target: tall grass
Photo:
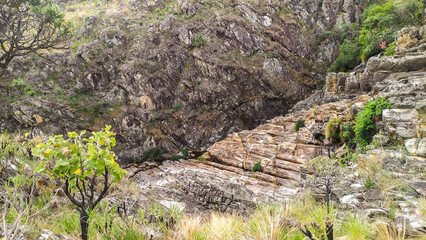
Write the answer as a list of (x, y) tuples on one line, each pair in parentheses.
[(355, 227)]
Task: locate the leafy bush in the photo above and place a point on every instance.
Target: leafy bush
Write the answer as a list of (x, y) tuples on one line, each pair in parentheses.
[(380, 22), (346, 133), (152, 154), (257, 167), (199, 40), (365, 120), (332, 129), (348, 56), (83, 165), (390, 50), (326, 173), (183, 154), (299, 124)]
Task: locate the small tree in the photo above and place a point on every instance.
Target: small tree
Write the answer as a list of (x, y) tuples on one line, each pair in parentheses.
[(83, 165), (326, 172), (27, 26)]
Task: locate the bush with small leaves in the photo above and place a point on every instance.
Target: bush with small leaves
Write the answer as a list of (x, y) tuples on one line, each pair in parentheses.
[(257, 167), (364, 127), (299, 124), (199, 40), (85, 166)]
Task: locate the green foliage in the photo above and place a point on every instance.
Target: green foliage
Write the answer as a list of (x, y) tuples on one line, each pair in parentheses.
[(76, 158), (199, 40), (380, 22), (201, 159), (392, 211), (348, 56), (369, 183), (153, 154), (346, 133), (177, 107), (183, 154), (84, 166), (390, 50), (257, 167), (365, 120), (299, 124), (332, 129), (356, 227)]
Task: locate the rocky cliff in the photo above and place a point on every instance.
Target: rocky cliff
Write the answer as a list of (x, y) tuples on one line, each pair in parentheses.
[(174, 74), (222, 179)]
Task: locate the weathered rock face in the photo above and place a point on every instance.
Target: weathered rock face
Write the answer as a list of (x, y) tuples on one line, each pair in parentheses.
[(174, 74), (223, 180)]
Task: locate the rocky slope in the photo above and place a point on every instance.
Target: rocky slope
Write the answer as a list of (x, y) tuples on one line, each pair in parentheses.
[(222, 179), (172, 74)]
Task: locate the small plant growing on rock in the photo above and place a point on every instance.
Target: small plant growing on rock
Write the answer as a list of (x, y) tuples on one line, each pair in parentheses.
[(369, 183), (299, 124), (257, 167), (332, 129), (183, 154), (177, 107), (365, 120), (346, 133), (85, 166), (152, 154), (199, 40)]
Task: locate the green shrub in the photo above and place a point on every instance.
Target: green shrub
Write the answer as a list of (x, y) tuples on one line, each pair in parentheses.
[(177, 107), (257, 167), (183, 154), (390, 50), (365, 120), (346, 133), (299, 124), (152, 154), (348, 57), (380, 22), (332, 130), (199, 40)]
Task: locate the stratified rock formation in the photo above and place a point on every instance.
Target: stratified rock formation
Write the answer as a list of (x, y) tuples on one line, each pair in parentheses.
[(222, 179), (174, 74)]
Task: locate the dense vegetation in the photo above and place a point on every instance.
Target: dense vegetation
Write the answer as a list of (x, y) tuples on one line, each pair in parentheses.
[(29, 27), (379, 24)]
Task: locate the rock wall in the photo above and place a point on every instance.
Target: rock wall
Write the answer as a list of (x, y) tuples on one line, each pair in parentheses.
[(222, 179), (174, 74)]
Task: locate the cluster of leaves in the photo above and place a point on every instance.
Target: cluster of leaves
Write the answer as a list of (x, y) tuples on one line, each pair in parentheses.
[(83, 165), (299, 124), (257, 167), (365, 120), (332, 129), (380, 22), (199, 40), (183, 154), (76, 158)]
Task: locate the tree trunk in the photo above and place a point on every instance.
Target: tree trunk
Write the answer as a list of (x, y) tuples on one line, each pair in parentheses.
[(84, 223)]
